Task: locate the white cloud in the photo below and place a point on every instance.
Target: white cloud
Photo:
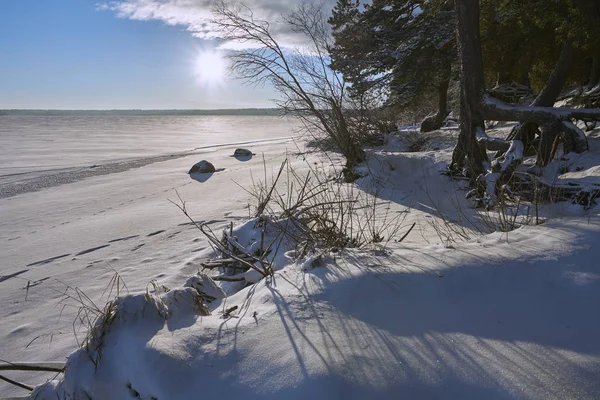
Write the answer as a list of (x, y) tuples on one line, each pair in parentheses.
[(195, 15)]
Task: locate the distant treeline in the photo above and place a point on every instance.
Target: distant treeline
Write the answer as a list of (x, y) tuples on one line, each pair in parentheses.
[(240, 111)]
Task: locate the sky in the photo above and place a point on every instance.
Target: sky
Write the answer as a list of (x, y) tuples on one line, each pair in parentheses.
[(130, 54)]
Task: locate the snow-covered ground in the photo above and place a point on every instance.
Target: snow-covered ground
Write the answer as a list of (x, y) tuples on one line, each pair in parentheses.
[(447, 313)]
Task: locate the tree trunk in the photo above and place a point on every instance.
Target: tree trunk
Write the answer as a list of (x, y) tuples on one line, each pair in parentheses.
[(436, 121), (471, 90), (558, 77), (526, 132), (594, 73)]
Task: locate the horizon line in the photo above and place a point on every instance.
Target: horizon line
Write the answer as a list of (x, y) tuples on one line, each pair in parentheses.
[(140, 109)]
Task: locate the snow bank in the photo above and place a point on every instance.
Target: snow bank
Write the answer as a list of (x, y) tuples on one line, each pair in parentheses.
[(486, 318)]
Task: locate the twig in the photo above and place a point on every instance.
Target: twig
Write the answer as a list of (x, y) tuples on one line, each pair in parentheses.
[(261, 207), (225, 278), (31, 366), (227, 312), (213, 240), (19, 384), (406, 234)]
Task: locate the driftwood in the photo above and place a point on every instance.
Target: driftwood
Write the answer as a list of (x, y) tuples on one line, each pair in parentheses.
[(228, 312)]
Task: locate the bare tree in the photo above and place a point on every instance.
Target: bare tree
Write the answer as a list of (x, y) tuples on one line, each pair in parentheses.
[(308, 88)]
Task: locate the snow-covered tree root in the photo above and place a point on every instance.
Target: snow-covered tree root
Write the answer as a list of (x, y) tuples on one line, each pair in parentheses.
[(555, 121), (556, 124), (533, 188), (477, 107), (502, 179), (490, 183)]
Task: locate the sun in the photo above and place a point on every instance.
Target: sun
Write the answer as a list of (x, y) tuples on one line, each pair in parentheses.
[(210, 67)]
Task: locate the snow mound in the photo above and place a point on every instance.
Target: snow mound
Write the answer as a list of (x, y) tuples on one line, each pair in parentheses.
[(489, 318)]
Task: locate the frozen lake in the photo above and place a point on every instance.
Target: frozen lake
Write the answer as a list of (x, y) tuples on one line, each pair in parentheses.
[(38, 143)]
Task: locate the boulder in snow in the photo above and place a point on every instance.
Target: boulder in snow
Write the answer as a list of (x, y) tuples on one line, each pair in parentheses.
[(242, 153), (202, 167)]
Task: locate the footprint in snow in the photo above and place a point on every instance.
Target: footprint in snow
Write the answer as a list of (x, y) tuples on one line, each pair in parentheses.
[(138, 246), (48, 260), (123, 238), (90, 250), (7, 277)]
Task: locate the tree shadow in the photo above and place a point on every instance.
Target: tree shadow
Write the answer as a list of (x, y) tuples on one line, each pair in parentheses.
[(545, 303), (486, 328), (391, 327)]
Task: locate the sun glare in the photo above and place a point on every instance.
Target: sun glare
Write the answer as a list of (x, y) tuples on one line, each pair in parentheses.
[(210, 67)]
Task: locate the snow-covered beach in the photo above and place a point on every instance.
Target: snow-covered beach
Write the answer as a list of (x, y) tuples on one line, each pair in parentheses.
[(70, 232), (487, 316)]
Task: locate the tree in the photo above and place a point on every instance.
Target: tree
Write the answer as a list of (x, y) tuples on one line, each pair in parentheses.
[(504, 26), (308, 88), (557, 33), (476, 107), (404, 46), (471, 90)]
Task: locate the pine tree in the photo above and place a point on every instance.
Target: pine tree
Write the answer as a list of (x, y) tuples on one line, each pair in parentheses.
[(404, 46)]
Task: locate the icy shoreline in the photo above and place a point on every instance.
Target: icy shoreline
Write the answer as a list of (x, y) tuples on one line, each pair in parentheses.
[(26, 182)]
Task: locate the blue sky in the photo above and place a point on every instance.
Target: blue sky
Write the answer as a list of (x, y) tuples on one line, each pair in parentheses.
[(71, 54)]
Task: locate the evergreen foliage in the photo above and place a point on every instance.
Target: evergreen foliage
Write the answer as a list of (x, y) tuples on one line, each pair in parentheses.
[(404, 46)]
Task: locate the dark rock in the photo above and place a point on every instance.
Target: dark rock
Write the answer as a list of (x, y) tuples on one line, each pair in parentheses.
[(242, 153), (202, 167), (432, 123)]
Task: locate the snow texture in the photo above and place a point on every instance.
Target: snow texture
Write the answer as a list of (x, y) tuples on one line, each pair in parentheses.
[(439, 315)]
